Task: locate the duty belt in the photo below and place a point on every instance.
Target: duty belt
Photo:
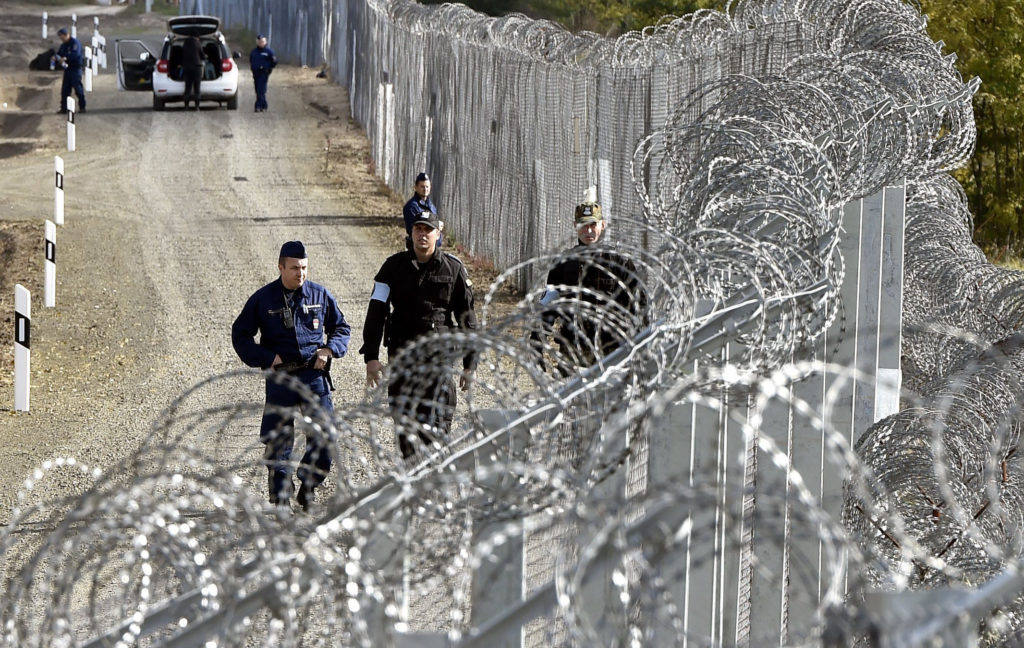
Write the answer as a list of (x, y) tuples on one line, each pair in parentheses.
[(303, 365)]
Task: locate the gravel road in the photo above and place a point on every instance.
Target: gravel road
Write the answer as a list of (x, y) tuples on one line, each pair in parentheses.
[(172, 220)]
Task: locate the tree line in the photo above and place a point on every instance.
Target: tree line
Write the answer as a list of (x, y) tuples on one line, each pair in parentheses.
[(986, 36)]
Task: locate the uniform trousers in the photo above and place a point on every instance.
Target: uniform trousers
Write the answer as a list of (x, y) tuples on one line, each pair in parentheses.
[(277, 433), (422, 406)]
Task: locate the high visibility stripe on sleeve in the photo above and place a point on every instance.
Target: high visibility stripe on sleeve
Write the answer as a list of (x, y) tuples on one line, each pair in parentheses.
[(549, 297), (381, 291)]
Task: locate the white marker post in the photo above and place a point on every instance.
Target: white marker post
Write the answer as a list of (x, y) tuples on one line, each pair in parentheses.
[(50, 266), (87, 82), (22, 335), (103, 52), (71, 123), (96, 55), (74, 25), (45, 32), (149, 6), (58, 193)]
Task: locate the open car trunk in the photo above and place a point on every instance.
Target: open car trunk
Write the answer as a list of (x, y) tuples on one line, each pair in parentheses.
[(193, 25), (212, 67)]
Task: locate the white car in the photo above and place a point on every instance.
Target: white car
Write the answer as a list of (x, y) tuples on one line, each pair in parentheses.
[(138, 69)]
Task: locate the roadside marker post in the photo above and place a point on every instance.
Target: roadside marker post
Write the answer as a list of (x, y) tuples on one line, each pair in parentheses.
[(103, 52), (87, 82), (45, 32), (71, 123), (22, 336), (58, 192), (50, 266), (74, 25)]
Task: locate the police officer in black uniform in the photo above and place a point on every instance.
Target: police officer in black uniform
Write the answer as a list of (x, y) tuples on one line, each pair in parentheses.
[(301, 329), (594, 301), (417, 292)]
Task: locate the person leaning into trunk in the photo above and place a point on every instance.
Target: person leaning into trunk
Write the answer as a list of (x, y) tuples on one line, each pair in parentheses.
[(70, 57), (301, 330), (416, 292), (262, 62), (193, 60)]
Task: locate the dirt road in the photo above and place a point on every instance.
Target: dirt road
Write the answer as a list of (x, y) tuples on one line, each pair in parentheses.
[(172, 220)]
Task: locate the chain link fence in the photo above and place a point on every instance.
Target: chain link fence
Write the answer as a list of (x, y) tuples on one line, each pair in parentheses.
[(809, 394)]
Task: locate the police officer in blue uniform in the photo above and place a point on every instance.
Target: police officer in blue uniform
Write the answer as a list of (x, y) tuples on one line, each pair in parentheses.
[(301, 329), (419, 203), (416, 292), (262, 62), (70, 56)]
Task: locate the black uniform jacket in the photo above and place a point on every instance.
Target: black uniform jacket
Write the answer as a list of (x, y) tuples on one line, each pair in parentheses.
[(411, 299)]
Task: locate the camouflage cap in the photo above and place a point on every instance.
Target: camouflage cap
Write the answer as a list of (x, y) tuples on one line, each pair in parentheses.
[(588, 213)]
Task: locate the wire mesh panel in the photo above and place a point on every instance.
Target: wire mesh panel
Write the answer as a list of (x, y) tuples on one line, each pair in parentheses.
[(746, 336)]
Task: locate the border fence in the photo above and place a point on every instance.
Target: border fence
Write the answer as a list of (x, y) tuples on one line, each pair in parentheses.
[(806, 433)]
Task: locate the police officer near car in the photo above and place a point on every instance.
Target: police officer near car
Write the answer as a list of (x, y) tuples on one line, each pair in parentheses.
[(262, 62), (417, 292), (301, 330), (419, 203), (594, 299), (70, 57)]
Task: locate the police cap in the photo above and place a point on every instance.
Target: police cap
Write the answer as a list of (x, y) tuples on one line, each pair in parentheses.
[(293, 249), (428, 217), (62, 31)]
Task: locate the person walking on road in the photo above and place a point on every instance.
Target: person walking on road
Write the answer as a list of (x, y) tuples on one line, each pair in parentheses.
[(420, 202), (193, 61), (301, 330), (416, 292), (262, 62), (70, 57)]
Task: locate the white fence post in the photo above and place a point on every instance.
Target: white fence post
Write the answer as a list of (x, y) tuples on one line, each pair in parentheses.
[(58, 192), (74, 25), (71, 123), (103, 54), (87, 80), (50, 266), (22, 337), (45, 31)]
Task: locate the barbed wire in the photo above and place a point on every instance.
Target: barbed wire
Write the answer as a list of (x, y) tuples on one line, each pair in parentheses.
[(719, 301)]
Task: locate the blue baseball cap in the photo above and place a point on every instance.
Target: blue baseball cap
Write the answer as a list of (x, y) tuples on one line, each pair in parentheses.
[(260, 36), (293, 249), (62, 31)]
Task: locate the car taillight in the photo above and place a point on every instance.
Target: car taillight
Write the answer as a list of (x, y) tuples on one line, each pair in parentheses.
[(162, 66), (225, 65)]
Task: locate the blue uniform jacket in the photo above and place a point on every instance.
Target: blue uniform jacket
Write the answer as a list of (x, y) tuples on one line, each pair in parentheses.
[(413, 208), (315, 315), (72, 52), (262, 60)]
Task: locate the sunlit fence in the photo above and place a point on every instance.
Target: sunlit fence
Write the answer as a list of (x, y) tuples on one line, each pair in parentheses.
[(801, 404)]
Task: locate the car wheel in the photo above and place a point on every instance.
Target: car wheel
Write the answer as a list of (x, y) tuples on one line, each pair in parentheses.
[(158, 103), (233, 103)]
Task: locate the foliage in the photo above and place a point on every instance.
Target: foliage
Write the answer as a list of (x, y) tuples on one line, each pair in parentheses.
[(987, 36), (609, 17)]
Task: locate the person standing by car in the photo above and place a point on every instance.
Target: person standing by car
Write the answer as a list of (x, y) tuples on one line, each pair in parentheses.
[(416, 292), (192, 65), (262, 62), (70, 56), (301, 329)]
